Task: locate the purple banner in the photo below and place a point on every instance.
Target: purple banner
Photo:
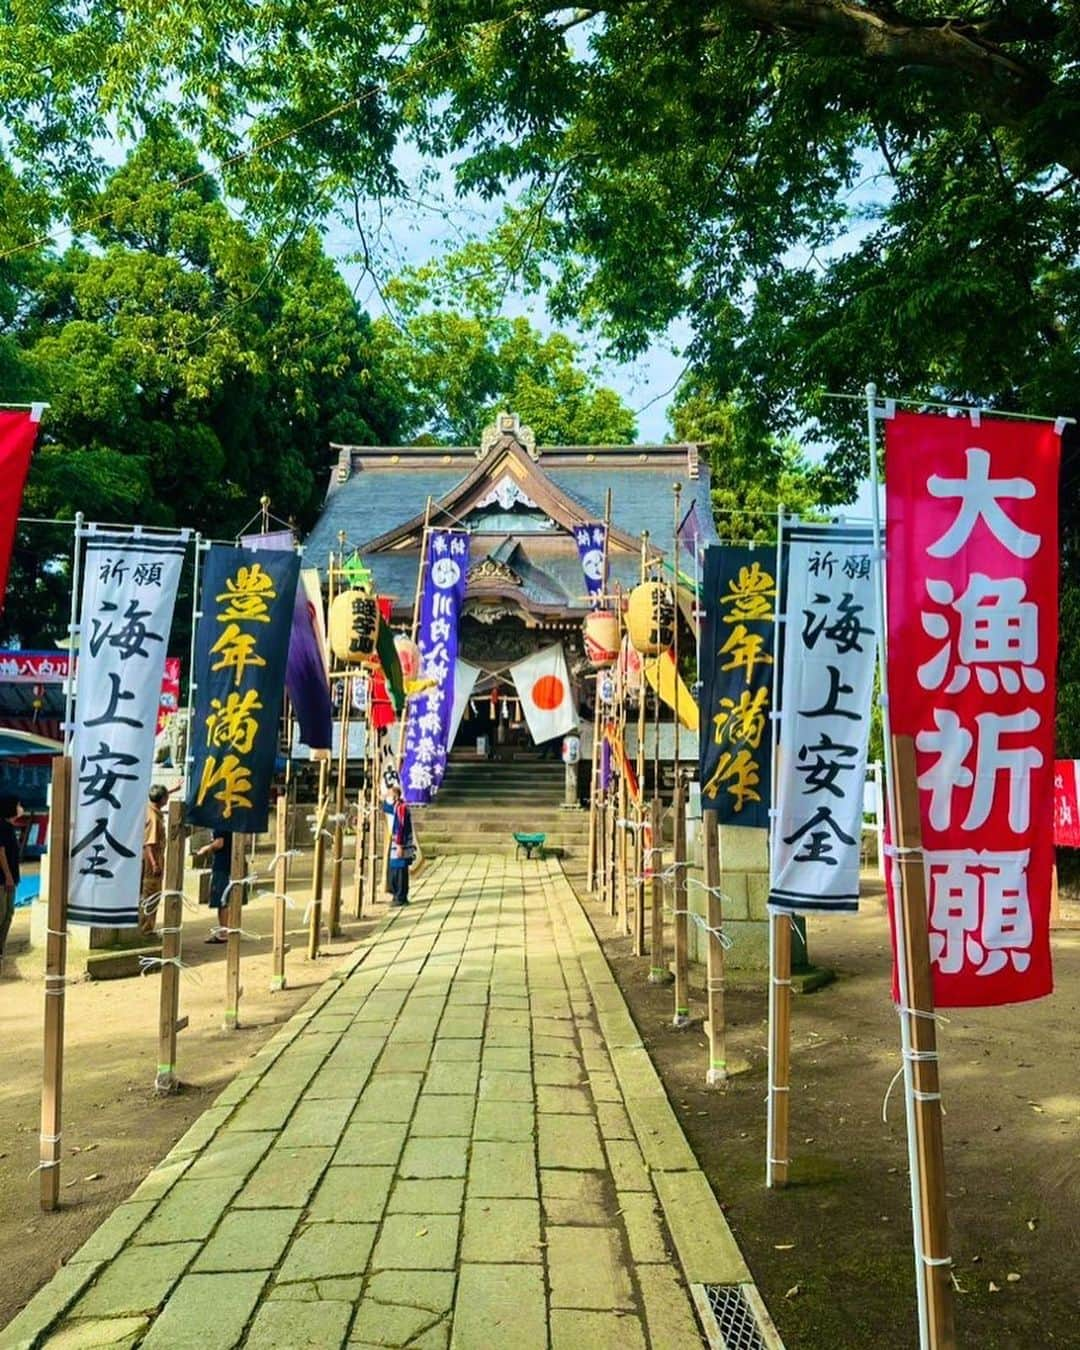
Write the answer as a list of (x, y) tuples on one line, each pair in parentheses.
[(590, 546), (305, 671), (427, 726)]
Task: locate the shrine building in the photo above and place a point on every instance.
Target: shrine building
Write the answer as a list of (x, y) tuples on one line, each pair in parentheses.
[(521, 503)]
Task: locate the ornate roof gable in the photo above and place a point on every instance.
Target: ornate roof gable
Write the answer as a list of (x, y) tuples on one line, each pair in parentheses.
[(508, 470)]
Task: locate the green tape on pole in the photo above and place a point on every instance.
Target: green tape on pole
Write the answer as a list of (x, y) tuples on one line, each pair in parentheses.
[(165, 1068)]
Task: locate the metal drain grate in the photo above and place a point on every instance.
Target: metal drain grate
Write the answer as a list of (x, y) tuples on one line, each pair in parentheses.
[(735, 1318)]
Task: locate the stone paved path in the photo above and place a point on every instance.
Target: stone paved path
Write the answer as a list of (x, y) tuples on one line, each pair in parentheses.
[(460, 1141)]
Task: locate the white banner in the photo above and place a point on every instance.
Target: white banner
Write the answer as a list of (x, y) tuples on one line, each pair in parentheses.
[(547, 700), (127, 610), (465, 677), (828, 653)]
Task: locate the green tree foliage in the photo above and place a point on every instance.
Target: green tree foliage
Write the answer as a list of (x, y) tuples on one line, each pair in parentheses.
[(751, 481), (458, 360), (190, 365)]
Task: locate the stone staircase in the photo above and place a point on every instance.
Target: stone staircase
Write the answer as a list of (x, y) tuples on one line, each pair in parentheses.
[(482, 803)]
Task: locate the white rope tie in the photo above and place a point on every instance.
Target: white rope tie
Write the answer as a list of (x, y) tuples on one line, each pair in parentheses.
[(222, 931), (901, 851), (701, 922), (286, 854), (147, 964), (919, 1012), (56, 932), (935, 1260), (888, 1093)]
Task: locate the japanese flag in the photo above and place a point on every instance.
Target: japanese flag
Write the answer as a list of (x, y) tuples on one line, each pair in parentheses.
[(543, 685)]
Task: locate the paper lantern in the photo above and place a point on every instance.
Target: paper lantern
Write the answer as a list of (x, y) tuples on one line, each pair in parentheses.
[(408, 654), (650, 618), (629, 667), (354, 627), (602, 637)]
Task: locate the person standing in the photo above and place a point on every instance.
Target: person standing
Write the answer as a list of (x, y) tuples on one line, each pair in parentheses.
[(401, 847), (153, 868), (219, 851), (10, 811)]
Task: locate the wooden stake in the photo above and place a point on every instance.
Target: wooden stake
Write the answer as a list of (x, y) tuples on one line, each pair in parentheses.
[(172, 911), (281, 886), (681, 918), (623, 859), (338, 855), (658, 971), (318, 858), (52, 1087), (234, 915), (777, 1140), (594, 793), (914, 951), (639, 875), (716, 1027), (610, 801)]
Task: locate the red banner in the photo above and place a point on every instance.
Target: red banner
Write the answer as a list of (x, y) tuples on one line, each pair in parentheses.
[(18, 667), (1067, 803), (18, 432), (972, 571)]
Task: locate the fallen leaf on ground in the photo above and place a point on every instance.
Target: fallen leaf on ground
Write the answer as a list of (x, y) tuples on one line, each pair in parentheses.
[(783, 1246), (1012, 1276), (1033, 1224), (94, 1176), (793, 1292), (994, 1288)]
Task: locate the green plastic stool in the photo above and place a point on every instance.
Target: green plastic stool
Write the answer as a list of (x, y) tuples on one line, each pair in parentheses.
[(529, 842)]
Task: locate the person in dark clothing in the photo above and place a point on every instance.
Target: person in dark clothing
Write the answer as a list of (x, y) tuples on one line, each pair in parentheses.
[(219, 851), (401, 845), (10, 811)]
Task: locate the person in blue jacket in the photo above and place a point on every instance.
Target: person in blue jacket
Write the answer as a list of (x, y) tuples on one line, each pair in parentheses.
[(401, 847)]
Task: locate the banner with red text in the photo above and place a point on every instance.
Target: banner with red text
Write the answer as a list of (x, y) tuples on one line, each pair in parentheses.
[(972, 580), (18, 432), (1067, 803)]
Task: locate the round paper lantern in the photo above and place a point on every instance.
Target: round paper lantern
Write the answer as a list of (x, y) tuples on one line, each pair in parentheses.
[(408, 655), (602, 637), (650, 618), (354, 627)]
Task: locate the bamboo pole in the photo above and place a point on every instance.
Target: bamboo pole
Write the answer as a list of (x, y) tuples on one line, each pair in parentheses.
[(624, 855), (594, 779), (338, 854), (281, 885), (374, 816), (681, 919), (640, 811), (610, 843), (234, 914), (318, 858), (913, 949), (172, 910), (658, 971), (777, 1133), (679, 892), (716, 1027), (52, 1087)]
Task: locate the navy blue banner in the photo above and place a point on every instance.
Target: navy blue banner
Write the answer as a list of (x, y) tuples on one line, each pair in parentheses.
[(735, 761), (591, 538), (248, 597)]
